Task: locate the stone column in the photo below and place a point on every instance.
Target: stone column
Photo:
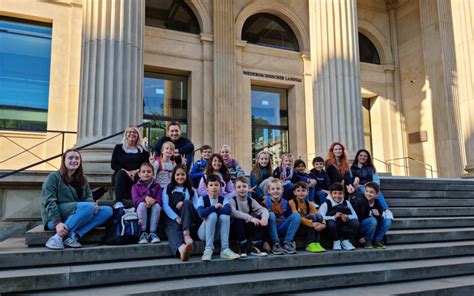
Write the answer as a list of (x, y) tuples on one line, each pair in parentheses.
[(335, 56), (225, 106), (463, 24), (440, 66), (111, 92)]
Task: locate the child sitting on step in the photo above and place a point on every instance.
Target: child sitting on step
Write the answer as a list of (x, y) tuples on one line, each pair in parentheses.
[(179, 204), (259, 177), (250, 219), (341, 219), (215, 211), (285, 173), (197, 171), (281, 220), (311, 222), (146, 197), (373, 224), (322, 180), (164, 164), (232, 164)]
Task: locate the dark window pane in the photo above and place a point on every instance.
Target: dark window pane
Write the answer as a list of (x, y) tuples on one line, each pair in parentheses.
[(269, 120), (269, 30), (25, 56), (164, 100), (367, 51), (172, 15)]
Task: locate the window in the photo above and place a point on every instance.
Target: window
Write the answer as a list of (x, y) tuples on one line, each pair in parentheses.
[(268, 30), (171, 14), (165, 100), (25, 58), (367, 51), (269, 120)]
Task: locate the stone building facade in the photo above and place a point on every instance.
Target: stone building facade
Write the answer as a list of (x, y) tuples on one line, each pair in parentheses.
[(218, 67)]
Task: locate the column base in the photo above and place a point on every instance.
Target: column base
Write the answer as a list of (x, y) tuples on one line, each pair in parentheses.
[(96, 159)]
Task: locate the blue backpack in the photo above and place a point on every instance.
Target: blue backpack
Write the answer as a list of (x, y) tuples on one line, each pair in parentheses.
[(122, 228)]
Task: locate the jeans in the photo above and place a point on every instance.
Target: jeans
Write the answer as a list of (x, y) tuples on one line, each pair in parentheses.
[(215, 227), (84, 220), (322, 196), (338, 230), (380, 197), (373, 229), (244, 230), (288, 227), (142, 212)]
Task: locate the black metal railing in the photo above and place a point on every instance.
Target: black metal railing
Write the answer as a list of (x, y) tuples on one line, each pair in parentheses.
[(144, 124)]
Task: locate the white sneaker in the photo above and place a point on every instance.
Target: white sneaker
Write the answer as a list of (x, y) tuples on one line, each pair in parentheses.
[(143, 238), (229, 254), (118, 205), (336, 246), (387, 214), (153, 238), (207, 255), (346, 245), (55, 243)]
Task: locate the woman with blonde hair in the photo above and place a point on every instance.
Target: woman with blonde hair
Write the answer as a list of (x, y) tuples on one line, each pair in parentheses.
[(126, 160)]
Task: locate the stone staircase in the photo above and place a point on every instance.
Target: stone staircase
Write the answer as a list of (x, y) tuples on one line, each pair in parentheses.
[(431, 252)]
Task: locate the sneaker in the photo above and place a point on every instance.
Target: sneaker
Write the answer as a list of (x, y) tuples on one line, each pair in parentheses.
[(187, 238), (379, 245), (229, 254), (207, 255), (315, 248), (289, 248), (186, 252), (277, 250), (346, 245), (154, 238), (266, 247), (336, 246), (257, 252), (368, 245), (143, 238), (118, 205), (55, 243), (71, 242)]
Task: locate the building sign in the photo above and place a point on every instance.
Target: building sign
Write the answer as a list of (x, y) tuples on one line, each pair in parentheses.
[(272, 76)]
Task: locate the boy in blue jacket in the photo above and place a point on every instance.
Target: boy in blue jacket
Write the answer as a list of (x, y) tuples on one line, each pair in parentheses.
[(215, 211), (281, 220), (199, 166)]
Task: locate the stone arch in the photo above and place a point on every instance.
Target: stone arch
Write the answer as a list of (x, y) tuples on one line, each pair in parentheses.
[(199, 9), (280, 11), (376, 37)]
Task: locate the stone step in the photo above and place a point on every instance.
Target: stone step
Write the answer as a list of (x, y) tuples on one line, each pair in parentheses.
[(459, 285), (429, 202), (432, 212), (37, 236), (452, 184), (429, 235), (285, 280), (432, 222), (427, 194)]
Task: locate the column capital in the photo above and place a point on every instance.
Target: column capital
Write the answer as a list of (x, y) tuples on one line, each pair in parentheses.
[(391, 4)]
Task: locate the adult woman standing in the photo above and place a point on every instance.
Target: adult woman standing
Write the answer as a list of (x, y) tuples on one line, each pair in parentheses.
[(68, 206), (126, 160), (337, 166)]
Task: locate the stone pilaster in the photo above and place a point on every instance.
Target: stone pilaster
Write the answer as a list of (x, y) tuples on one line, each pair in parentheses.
[(440, 66), (111, 92), (225, 105), (335, 56), (463, 24)]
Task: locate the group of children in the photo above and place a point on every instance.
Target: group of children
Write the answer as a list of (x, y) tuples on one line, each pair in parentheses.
[(215, 201)]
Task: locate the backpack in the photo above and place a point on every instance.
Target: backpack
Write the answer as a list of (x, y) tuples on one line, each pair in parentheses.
[(122, 228)]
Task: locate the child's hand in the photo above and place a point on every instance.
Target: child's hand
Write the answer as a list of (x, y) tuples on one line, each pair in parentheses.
[(312, 182), (318, 226), (350, 188), (183, 159), (356, 182), (263, 222), (96, 208), (338, 215), (178, 220), (255, 221), (179, 205), (61, 229), (252, 189), (375, 212), (218, 205), (149, 201), (344, 217)]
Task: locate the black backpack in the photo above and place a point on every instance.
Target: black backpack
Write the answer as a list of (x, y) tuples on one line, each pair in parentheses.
[(122, 228)]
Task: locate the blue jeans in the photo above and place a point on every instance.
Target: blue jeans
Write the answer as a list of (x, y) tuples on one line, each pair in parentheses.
[(214, 228), (322, 196), (373, 229), (84, 220), (380, 197), (288, 228)]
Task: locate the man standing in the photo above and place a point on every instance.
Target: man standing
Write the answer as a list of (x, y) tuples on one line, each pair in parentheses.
[(183, 146)]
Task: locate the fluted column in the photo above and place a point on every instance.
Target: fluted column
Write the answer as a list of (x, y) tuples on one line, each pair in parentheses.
[(440, 66), (225, 106), (463, 23), (111, 93), (335, 52)]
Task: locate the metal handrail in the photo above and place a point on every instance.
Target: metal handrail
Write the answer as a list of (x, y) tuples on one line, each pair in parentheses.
[(405, 161), (77, 148)]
